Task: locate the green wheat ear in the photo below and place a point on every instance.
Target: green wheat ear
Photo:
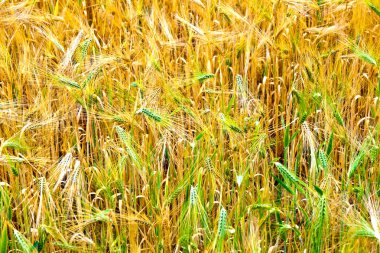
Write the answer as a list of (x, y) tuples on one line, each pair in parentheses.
[(338, 117), (67, 81), (193, 195), (322, 159), (150, 114), (24, 243), (290, 176), (118, 119), (173, 195), (128, 146), (374, 152), (14, 171), (85, 46), (14, 143), (204, 76), (42, 182), (122, 134), (209, 166), (366, 231), (286, 173), (356, 162), (303, 117), (364, 56), (320, 224), (222, 223), (229, 123), (240, 83), (242, 89), (180, 187), (89, 78)]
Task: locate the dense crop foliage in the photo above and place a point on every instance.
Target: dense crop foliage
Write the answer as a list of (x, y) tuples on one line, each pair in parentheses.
[(189, 126)]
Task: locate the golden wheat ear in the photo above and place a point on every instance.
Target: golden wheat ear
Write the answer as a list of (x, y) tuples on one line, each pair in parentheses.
[(70, 51)]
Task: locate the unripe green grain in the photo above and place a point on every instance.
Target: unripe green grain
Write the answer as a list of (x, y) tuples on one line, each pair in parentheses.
[(151, 115), (222, 222)]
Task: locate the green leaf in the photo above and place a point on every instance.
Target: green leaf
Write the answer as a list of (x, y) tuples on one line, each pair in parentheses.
[(286, 187), (294, 135), (231, 103), (199, 136), (4, 240), (35, 245), (330, 144), (374, 8), (286, 137), (319, 190)]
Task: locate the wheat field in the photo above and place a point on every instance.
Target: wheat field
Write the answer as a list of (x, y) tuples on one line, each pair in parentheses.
[(189, 126)]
